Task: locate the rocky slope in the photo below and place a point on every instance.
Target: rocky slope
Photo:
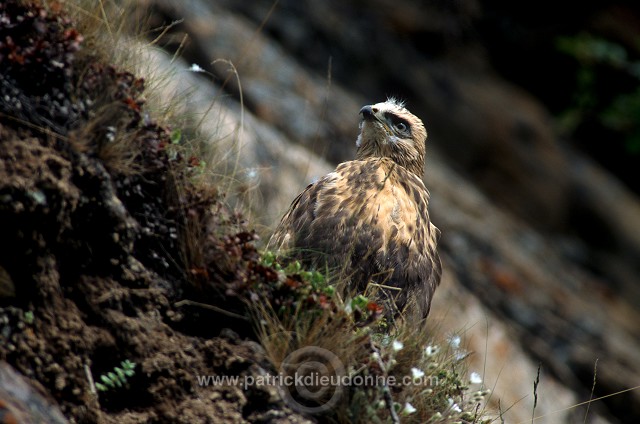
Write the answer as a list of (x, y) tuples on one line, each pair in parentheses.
[(97, 204), (541, 242)]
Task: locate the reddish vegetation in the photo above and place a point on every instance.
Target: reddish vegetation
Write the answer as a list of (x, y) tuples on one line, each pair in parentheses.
[(95, 214)]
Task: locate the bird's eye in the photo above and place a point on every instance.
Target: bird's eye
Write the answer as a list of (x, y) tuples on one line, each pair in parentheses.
[(401, 126)]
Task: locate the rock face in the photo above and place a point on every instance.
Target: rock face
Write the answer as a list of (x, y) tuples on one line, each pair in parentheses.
[(20, 403), (541, 245)]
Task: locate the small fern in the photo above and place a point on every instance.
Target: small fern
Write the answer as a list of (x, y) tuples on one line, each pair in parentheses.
[(116, 378)]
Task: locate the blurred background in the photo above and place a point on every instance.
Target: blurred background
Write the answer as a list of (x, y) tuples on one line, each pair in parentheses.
[(533, 114)]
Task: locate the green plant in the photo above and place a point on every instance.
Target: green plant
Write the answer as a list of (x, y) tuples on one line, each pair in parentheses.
[(616, 107), (117, 377)]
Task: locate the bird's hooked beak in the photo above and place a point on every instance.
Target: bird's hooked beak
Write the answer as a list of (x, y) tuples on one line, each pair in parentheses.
[(368, 113), (371, 113)]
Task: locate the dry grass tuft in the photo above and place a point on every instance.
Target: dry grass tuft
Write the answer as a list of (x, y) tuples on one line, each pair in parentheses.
[(370, 374)]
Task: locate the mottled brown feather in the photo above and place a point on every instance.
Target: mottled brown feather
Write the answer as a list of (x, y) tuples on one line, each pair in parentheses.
[(368, 220)]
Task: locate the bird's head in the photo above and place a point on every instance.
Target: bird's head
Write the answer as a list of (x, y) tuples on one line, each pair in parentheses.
[(387, 129)]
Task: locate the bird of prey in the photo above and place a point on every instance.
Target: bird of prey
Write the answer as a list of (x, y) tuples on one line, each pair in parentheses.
[(368, 220)]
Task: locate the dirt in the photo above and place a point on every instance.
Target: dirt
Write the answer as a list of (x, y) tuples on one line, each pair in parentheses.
[(97, 213)]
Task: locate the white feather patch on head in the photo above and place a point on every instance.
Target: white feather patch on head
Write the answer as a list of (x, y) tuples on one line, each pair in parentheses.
[(396, 102)]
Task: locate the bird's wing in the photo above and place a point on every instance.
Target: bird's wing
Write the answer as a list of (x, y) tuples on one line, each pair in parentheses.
[(329, 214), (300, 213)]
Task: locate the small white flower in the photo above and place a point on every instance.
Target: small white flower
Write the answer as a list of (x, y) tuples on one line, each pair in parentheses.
[(454, 406), (431, 350), (397, 345), (408, 409), (454, 341), (253, 175), (375, 356), (417, 373), (475, 378), (196, 68)]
